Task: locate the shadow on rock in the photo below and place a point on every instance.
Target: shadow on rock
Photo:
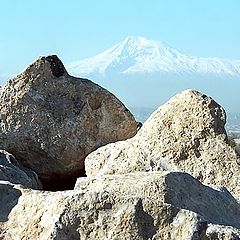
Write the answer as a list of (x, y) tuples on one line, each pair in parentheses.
[(145, 222), (8, 199), (216, 206)]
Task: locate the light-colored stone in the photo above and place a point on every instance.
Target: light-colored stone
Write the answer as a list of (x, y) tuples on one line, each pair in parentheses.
[(12, 171), (222, 232), (179, 189), (139, 206), (50, 120), (186, 134)]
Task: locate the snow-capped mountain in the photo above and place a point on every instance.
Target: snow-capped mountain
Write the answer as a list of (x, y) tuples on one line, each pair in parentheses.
[(145, 73), (138, 55)]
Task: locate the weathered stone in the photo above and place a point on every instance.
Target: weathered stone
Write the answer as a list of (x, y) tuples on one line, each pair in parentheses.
[(12, 171), (222, 232), (186, 134), (50, 120), (141, 206)]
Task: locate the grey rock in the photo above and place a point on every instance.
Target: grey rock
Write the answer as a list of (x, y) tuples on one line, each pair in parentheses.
[(141, 206), (50, 120), (9, 198), (13, 172)]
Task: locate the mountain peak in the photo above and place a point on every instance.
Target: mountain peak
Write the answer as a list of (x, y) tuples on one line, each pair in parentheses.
[(141, 44), (136, 54), (139, 40), (135, 40)]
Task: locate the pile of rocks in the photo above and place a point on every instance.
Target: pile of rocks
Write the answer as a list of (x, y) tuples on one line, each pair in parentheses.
[(186, 134), (176, 178)]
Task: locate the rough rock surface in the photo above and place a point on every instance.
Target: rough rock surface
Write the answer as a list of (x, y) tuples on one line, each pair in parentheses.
[(12, 171), (186, 134), (222, 232), (141, 206), (50, 120)]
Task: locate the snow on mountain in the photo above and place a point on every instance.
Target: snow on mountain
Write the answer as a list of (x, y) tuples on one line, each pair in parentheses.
[(137, 55)]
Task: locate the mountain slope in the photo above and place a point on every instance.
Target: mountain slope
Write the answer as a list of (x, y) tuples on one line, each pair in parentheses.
[(138, 55), (145, 73)]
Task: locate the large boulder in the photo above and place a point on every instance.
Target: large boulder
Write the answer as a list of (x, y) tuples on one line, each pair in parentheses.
[(186, 134), (141, 206), (11, 171), (50, 120)]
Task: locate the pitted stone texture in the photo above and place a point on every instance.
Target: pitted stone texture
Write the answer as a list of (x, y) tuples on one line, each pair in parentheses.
[(186, 134), (222, 232), (50, 120)]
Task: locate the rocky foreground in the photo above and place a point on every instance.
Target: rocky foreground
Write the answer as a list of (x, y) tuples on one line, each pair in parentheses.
[(176, 178)]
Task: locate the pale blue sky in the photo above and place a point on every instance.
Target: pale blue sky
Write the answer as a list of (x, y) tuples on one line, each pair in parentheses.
[(76, 29)]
